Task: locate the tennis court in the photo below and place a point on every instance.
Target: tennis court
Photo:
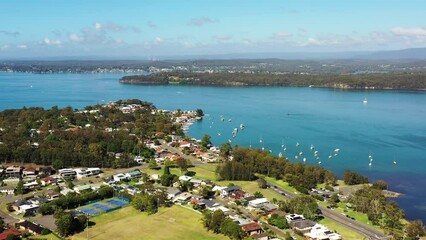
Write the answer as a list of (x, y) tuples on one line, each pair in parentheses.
[(116, 202), (99, 207), (89, 211)]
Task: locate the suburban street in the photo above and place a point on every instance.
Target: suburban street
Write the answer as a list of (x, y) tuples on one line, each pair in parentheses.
[(361, 228)]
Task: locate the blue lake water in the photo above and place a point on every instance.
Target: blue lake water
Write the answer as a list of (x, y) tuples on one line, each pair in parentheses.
[(390, 127)]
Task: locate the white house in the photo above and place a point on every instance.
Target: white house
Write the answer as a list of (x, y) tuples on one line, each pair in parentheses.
[(258, 202), (120, 177), (7, 190)]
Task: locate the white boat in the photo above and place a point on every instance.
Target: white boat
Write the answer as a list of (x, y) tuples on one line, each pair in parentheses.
[(370, 164), (337, 150), (330, 156), (219, 134), (312, 147), (229, 120), (304, 159), (242, 126), (296, 157), (280, 155), (297, 144), (263, 149), (319, 162), (394, 162), (285, 148), (365, 100), (301, 153)]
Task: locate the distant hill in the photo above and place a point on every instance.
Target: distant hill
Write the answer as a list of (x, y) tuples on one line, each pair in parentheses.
[(409, 53)]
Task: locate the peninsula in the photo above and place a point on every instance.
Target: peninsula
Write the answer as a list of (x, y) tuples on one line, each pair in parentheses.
[(380, 81)]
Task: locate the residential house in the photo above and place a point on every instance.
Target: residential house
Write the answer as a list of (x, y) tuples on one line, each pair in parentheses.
[(183, 197), (48, 180), (172, 193), (252, 228), (258, 202), (87, 172), (260, 236), (302, 225), (28, 208), (268, 207), (320, 232), (134, 174), (53, 195), (120, 177), (17, 204), (213, 205), (47, 171), (185, 144), (12, 172), (185, 178), (8, 232), (294, 217), (240, 194), (38, 200), (81, 188), (29, 172), (30, 227), (30, 185), (227, 191), (7, 190)]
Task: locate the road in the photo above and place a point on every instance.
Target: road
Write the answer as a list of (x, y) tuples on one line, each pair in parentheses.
[(358, 227)]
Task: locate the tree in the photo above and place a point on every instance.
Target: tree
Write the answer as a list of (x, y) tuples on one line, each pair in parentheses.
[(216, 221), (106, 192), (278, 221), (380, 184), (231, 229), (12, 237), (262, 182), (258, 194), (145, 203), (305, 205), (64, 224), (415, 229), (353, 178), (182, 164), (57, 164), (206, 140), (225, 150), (20, 188), (199, 112), (166, 170)]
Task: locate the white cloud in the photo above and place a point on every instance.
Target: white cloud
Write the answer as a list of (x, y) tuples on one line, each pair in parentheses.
[(4, 47), (201, 21), (22, 46), (409, 32), (281, 35), (222, 37), (75, 38), (98, 26), (51, 42)]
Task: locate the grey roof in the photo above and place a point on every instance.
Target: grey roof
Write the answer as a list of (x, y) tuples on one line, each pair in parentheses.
[(302, 224), (173, 191), (232, 188), (210, 203)]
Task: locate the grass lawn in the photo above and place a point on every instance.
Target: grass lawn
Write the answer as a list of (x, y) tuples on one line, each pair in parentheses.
[(201, 171), (251, 187), (360, 217), (281, 184), (169, 223), (44, 237), (343, 231)]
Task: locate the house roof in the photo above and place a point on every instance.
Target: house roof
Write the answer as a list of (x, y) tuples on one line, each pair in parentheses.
[(6, 233), (232, 188), (302, 224), (251, 227), (30, 226)]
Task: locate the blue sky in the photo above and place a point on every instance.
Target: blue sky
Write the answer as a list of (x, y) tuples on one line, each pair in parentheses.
[(54, 28)]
